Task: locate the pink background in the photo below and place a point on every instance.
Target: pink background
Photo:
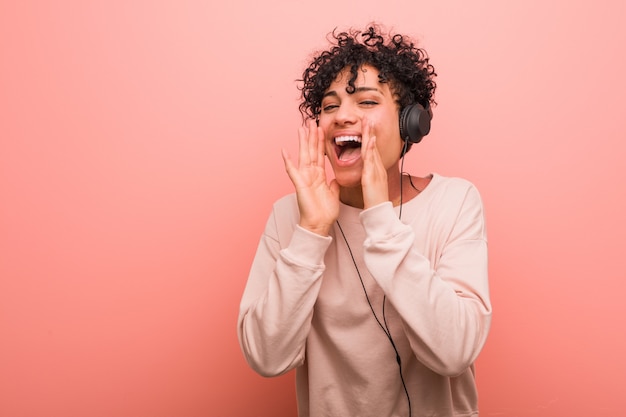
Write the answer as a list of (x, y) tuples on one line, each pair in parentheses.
[(140, 153)]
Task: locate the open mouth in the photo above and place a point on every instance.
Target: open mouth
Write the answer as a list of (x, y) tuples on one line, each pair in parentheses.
[(348, 147)]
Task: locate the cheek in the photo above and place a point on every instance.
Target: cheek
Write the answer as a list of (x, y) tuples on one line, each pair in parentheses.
[(323, 121), (387, 122), (390, 146)]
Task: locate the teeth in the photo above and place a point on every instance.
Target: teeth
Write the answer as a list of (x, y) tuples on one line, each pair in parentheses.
[(344, 139)]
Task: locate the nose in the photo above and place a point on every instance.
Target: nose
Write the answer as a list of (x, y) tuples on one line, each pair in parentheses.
[(346, 114)]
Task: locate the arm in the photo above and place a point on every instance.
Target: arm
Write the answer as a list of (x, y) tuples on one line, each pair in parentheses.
[(277, 303), (445, 304)]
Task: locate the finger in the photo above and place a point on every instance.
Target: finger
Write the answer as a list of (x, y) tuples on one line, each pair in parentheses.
[(288, 164), (364, 138), (372, 160), (304, 155), (372, 155), (334, 189), (366, 146), (321, 146), (313, 140), (292, 170)]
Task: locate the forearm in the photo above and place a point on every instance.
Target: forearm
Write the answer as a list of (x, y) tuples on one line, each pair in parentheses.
[(444, 305), (446, 324), (277, 305)]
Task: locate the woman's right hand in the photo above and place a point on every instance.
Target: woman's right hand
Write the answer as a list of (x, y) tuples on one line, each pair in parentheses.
[(318, 200)]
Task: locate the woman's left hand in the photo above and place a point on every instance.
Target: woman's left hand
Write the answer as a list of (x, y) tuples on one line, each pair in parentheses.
[(374, 176)]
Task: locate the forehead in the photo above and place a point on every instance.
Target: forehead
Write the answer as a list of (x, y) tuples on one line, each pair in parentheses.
[(367, 76)]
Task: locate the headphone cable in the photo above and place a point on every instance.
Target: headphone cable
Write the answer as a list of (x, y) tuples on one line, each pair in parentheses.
[(384, 327)]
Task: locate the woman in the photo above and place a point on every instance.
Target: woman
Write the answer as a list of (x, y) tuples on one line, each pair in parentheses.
[(372, 285)]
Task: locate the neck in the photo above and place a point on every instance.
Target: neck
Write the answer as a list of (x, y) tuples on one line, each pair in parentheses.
[(353, 196)]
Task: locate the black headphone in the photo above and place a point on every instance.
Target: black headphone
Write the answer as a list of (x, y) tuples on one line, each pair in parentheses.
[(415, 122)]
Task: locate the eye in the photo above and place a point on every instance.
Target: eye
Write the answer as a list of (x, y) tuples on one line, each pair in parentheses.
[(329, 107), (369, 103)]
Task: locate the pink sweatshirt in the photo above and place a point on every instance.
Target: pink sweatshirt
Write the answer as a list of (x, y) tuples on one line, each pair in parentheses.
[(304, 306)]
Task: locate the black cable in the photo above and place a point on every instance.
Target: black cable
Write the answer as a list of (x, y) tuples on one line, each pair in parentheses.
[(384, 328)]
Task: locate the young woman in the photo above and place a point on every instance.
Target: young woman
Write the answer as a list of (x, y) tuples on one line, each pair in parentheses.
[(372, 285)]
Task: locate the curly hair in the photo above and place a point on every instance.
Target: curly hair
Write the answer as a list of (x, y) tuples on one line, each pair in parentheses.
[(399, 62)]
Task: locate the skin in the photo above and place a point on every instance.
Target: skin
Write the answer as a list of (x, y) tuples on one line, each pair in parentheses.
[(364, 180)]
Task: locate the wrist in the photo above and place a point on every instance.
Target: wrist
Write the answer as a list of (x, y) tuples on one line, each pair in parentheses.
[(322, 230)]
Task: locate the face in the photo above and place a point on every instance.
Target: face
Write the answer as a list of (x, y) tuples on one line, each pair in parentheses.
[(342, 117)]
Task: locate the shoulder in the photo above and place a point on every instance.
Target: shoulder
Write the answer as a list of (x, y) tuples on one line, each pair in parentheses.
[(446, 201), (452, 183), (449, 189), (286, 207), (460, 204), (283, 218)]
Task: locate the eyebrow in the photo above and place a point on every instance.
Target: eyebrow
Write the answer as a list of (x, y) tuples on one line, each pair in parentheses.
[(357, 90)]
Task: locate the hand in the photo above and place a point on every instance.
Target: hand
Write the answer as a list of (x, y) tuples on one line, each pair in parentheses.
[(374, 177), (318, 201)]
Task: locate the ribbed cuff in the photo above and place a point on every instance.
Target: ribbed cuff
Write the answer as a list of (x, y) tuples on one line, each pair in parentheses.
[(381, 221), (307, 249)]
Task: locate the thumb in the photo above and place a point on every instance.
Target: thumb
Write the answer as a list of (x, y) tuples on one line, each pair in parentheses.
[(289, 167), (334, 188)]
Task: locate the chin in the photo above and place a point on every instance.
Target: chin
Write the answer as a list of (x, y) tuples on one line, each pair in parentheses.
[(348, 181)]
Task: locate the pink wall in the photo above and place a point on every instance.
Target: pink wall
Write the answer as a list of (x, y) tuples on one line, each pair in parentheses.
[(140, 153)]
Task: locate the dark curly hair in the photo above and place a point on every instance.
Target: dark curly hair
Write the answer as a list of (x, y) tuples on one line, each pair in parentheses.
[(399, 62)]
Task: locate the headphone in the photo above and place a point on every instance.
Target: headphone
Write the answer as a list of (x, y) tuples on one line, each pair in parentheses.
[(415, 122)]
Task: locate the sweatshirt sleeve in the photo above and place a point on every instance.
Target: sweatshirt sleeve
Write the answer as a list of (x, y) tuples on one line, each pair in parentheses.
[(277, 304), (445, 309)]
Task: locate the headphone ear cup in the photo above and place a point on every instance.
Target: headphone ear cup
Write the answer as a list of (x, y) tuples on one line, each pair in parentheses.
[(414, 122)]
